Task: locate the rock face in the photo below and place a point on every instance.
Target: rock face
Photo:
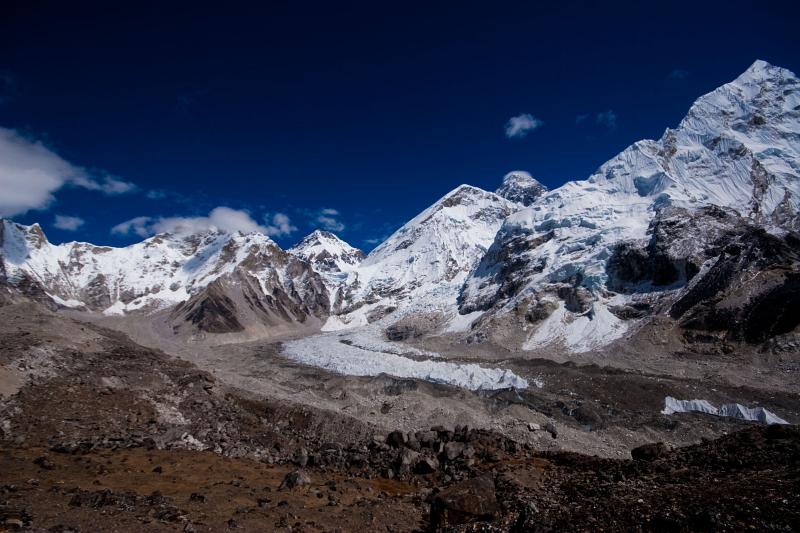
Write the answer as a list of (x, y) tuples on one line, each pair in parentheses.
[(643, 225), (427, 260), (327, 253), (220, 281), (469, 501), (520, 187), (697, 228)]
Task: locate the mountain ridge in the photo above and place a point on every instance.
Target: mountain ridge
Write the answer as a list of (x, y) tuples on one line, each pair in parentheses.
[(492, 257)]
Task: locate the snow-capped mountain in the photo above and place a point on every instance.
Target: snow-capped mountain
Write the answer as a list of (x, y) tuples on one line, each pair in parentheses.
[(156, 273), (520, 187), (327, 253), (426, 261), (737, 148), (578, 266), (330, 257)]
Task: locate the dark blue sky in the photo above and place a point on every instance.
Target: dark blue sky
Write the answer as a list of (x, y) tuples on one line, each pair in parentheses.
[(373, 110)]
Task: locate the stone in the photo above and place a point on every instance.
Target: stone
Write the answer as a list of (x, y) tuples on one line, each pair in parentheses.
[(396, 439), (453, 450), (649, 452), (470, 501), (534, 427), (426, 465), (294, 479)]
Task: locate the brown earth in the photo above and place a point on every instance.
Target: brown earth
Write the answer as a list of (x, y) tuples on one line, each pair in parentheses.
[(98, 433)]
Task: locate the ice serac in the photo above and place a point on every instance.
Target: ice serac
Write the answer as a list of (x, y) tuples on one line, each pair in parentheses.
[(520, 187), (425, 262), (547, 276), (163, 271)]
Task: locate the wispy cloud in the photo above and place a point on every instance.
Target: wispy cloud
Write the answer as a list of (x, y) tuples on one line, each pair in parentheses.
[(107, 184), (279, 225), (221, 218), (581, 118), (679, 74), (140, 226), (30, 174), (521, 125), (328, 219), (68, 223), (607, 119)]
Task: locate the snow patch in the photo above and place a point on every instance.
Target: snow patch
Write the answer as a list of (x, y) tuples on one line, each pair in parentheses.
[(579, 333)]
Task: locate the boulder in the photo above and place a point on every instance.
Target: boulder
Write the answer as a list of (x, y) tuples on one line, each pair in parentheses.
[(294, 479), (470, 501), (649, 452), (396, 439), (453, 450)]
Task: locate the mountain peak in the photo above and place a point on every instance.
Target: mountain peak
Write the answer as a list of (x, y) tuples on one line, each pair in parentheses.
[(520, 187), (327, 253)]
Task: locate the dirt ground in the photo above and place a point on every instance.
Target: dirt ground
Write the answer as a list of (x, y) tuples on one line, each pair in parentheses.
[(99, 433)]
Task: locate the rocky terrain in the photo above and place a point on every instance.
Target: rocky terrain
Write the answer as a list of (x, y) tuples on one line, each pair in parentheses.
[(619, 353)]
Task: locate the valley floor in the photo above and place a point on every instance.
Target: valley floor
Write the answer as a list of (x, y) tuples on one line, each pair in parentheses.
[(98, 432)]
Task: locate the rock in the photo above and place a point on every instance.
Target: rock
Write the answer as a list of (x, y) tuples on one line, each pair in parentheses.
[(588, 416), (44, 463), (426, 465), (406, 460), (534, 427), (13, 524), (426, 438), (294, 479), (649, 452), (396, 439), (452, 450), (301, 457), (466, 502)]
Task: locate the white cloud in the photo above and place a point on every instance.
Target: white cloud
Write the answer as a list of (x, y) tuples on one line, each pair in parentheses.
[(222, 218), (139, 226), (108, 185), (68, 223), (30, 173), (607, 119), (519, 126), (330, 223), (280, 225), (327, 219)]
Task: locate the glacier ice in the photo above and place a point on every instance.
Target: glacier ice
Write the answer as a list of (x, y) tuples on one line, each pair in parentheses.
[(732, 410)]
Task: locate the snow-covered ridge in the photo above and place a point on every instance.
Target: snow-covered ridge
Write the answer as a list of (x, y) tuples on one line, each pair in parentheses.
[(520, 187), (738, 147), (157, 272), (424, 263), (327, 253)]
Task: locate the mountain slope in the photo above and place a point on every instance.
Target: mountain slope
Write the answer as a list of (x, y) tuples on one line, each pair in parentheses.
[(327, 253), (163, 271), (737, 148), (425, 262), (520, 187)]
